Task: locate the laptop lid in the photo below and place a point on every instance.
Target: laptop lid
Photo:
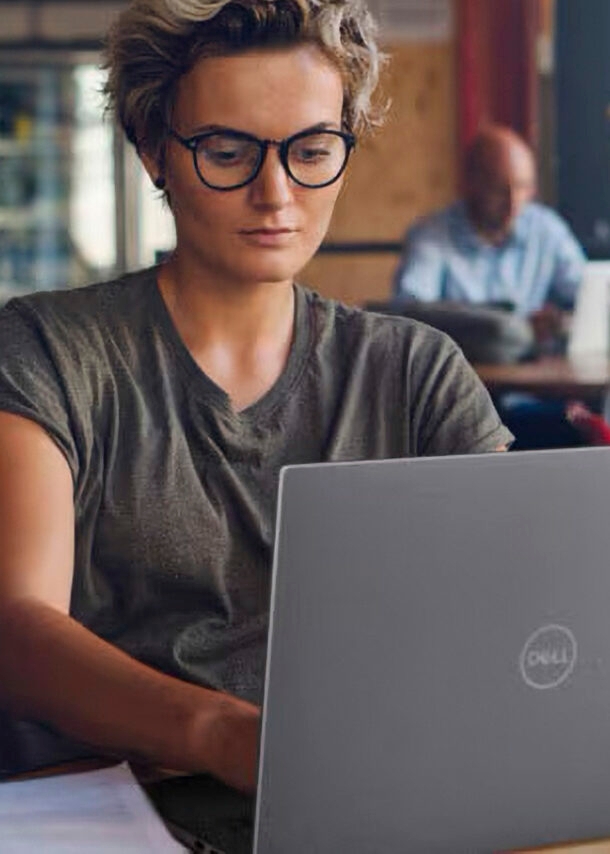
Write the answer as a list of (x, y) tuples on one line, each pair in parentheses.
[(438, 672)]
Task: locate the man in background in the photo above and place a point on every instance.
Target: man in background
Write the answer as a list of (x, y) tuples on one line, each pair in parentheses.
[(496, 246)]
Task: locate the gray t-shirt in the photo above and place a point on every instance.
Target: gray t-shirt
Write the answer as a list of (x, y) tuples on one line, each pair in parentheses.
[(175, 492)]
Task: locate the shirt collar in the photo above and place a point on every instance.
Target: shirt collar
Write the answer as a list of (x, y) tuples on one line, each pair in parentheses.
[(466, 235)]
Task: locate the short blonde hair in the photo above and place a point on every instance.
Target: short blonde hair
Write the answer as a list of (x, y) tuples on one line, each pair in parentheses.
[(153, 43)]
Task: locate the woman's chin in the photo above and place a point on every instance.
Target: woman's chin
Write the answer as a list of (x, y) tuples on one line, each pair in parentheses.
[(271, 270)]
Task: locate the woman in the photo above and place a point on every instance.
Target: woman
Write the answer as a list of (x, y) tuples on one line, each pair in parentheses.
[(144, 421)]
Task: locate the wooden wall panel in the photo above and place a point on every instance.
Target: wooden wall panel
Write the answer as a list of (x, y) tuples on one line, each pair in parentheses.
[(547, 18), (352, 279), (406, 169)]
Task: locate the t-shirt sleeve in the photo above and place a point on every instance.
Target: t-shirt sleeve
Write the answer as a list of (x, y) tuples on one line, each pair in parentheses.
[(452, 412), (31, 384)]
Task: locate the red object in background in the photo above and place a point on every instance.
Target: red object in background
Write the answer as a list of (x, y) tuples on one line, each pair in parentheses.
[(497, 72), (593, 428)]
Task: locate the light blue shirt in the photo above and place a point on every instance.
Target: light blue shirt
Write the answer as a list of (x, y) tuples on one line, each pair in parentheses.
[(445, 259)]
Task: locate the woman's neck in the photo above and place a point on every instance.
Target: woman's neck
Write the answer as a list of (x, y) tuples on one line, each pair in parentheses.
[(240, 335), (206, 310)]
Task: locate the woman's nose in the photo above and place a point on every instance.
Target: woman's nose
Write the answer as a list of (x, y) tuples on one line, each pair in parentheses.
[(272, 186)]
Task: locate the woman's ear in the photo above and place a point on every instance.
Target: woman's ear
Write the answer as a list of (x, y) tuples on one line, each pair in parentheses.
[(155, 169)]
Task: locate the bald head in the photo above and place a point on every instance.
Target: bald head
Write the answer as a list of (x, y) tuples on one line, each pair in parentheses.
[(500, 177)]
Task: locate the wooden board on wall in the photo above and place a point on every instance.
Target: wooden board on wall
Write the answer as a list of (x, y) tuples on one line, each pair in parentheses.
[(403, 171), (352, 279), (547, 18)]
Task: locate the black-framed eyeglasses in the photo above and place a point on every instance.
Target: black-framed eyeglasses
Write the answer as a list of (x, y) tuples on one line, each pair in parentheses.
[(230, 159)]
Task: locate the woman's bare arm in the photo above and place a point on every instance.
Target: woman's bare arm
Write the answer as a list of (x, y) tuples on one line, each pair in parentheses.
[(53, 669)]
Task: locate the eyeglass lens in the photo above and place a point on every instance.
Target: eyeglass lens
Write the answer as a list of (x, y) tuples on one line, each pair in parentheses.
[(225, 160)]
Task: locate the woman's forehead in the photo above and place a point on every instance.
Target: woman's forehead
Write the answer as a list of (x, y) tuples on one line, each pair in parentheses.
[(260, 88)]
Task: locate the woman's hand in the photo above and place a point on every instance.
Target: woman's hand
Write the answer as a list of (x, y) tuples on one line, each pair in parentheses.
[(230, 736)]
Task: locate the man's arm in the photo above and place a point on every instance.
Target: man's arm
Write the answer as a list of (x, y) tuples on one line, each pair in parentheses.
[(54, 670), (420, 272), (568, 269)]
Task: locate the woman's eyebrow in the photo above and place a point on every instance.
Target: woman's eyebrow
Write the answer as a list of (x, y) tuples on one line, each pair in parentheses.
[(321, 126), (215, 128), (210, 129)]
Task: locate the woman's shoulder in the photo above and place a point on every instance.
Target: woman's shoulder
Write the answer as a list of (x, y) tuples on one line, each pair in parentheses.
[(114, 302), (63, 354), (81, 327), (391, 333)]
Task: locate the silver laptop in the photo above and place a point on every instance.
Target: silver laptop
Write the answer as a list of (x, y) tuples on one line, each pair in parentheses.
[(439, 664)]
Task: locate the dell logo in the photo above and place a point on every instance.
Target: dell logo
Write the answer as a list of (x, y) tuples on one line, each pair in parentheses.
[(548, 657)]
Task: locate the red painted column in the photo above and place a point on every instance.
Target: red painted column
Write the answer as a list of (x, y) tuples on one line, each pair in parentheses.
[(497, 77)]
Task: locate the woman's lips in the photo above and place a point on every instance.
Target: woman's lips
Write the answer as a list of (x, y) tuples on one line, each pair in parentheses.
[(269, 237)]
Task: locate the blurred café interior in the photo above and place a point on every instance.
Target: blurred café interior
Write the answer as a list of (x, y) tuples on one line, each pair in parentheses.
[(77, 207)]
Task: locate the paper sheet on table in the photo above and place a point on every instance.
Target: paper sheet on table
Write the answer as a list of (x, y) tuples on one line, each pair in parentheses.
[(589, 333), (90, 813)]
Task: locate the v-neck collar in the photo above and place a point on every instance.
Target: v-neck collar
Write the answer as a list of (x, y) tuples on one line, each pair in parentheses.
[(207, 390)]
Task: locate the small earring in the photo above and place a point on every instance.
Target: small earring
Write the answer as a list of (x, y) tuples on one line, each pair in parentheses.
[(159, 182)]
